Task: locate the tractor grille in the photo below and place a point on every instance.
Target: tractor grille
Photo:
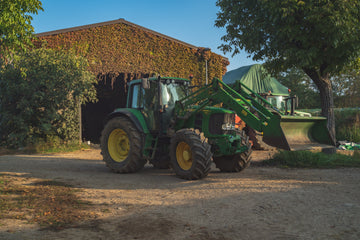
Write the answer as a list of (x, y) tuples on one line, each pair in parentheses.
[(217, 120), (198, 121)]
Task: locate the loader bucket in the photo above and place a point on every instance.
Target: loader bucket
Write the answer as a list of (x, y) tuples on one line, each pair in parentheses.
[(298, 133)]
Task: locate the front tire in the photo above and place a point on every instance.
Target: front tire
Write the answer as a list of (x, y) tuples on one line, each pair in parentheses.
[(190, 154), (121, 146)]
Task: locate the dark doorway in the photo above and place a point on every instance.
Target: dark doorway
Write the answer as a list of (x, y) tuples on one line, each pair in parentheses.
[(111, 93)]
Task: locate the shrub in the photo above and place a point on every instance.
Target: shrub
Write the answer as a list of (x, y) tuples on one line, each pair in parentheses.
[(348, 124), (41, 91)]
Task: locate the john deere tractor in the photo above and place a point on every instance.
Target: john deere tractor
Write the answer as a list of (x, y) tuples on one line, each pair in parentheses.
[(168, 125)]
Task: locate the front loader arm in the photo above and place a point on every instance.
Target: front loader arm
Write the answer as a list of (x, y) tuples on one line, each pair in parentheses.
[(219, 93), (286, 132)]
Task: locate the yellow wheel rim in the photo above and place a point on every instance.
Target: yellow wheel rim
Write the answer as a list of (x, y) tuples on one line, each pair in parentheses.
[(118, 145), (184, 155)]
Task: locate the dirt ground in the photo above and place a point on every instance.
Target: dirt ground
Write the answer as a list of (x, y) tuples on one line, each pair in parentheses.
[(258, 203)]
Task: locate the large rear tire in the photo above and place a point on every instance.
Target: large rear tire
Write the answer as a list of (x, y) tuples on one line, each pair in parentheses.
[(121, 146), (236, 162), (190, 154)]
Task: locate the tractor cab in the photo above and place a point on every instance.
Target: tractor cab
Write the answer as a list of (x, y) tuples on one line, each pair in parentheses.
[(155, 98), (285, 104)]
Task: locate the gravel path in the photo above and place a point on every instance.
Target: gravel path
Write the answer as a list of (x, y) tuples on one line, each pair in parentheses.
[(258, 203)]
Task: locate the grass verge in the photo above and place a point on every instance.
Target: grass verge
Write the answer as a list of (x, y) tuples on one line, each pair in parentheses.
[(307, 159), (51, 204), (44, 148), (56, 148)]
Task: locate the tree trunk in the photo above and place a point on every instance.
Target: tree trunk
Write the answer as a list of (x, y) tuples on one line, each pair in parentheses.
[(323, 83)]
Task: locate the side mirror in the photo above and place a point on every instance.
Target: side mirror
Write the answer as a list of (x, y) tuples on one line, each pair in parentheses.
[(145, 83)]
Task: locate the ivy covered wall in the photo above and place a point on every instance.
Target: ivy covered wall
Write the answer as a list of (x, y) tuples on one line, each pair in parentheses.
[(125, 48)]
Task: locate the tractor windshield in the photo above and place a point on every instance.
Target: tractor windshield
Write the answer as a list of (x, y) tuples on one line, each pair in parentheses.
[(170, 93), (279, 102)]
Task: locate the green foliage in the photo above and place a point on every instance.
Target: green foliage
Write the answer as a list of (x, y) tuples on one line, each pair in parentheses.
[(15, 23), (40, 95), (348, 124), (306, 159), (322, 34), (347, 86)]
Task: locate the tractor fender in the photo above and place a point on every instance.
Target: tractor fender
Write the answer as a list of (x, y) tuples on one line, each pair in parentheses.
[(134, 115)]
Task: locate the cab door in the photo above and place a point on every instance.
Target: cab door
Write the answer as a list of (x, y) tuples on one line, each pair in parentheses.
[(146, 101)]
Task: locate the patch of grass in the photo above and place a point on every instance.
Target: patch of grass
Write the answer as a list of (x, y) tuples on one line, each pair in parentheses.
[(7, 151), (51, 204), (307, 159), (44, 148), (56, 147)]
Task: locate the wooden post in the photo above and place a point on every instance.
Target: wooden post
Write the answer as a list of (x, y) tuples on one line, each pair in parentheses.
[(80, 123)]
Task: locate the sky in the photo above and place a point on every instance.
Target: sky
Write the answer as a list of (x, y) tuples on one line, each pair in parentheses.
[(191, 21)]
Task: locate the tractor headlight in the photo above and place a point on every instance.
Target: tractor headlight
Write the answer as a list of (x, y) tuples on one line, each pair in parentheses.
[(221, 123), (228, 127)]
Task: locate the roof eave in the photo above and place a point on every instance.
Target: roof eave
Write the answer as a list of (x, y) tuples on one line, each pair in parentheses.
[(122, 21)]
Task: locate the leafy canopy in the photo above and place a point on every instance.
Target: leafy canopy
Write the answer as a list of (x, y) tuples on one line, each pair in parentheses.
[(15, 23), (287, 33), (40, 95)]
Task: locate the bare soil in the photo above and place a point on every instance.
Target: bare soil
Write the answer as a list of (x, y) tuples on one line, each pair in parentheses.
[(258, 203)]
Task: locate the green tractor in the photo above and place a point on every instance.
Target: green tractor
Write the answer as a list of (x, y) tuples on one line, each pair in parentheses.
[(164, 123)]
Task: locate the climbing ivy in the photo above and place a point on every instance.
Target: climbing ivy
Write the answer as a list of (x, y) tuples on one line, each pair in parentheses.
[(127, 49)]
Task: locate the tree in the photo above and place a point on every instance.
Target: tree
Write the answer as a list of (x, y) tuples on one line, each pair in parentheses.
[(40, 95), (15, 24), (320, 37)]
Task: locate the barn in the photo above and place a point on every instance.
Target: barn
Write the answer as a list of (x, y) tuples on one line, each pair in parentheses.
[(119, 51)]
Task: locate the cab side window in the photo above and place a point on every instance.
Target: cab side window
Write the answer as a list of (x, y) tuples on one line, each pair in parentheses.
[(137, 96)]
